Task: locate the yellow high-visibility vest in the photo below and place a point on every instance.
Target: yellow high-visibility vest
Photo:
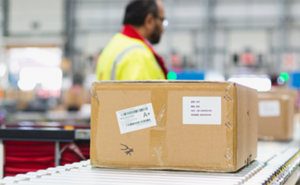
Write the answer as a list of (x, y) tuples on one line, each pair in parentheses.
[(126, 58)]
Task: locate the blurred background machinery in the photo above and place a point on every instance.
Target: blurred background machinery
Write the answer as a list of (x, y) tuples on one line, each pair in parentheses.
[(49, 51)]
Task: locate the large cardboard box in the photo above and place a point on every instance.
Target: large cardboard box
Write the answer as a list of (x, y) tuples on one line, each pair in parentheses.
[(276, 115), (184, 125)]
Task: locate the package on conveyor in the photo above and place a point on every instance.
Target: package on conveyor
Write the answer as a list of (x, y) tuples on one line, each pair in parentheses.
[(181, 125), (276, 111)]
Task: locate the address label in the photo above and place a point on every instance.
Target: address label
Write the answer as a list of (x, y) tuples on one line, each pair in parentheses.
[(202, 110), (269, 108)]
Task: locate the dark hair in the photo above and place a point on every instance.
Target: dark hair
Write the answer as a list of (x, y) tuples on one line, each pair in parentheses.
[(137, 11)]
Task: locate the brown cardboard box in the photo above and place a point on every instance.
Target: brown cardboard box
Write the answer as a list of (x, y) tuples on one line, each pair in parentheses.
[(75, 97), (222, 135), (24, 98), (293, 93), (276, 115), (10, 94)]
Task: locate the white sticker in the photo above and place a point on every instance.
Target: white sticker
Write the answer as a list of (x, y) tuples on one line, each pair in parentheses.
[(136, 118), (269, 108), (202, 110)]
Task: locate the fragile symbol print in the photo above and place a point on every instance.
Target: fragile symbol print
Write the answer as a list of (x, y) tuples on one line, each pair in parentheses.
[(127, 149)]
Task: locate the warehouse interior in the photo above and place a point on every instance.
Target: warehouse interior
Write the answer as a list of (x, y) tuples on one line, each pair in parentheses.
[(48, 57)]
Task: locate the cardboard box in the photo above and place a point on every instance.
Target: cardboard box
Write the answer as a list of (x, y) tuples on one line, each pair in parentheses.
[(75, 97), (24, 98), (184, 125), (276, 115)]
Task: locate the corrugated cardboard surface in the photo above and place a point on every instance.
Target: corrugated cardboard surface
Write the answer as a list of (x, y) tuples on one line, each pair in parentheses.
[(247, 125), (278, 127), (172, 144)]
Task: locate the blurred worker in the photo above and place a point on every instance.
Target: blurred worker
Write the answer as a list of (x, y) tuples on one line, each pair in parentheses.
[(129, 55)]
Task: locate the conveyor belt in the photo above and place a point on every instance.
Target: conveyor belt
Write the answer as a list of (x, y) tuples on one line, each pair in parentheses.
[(276, 162), (278, 169)]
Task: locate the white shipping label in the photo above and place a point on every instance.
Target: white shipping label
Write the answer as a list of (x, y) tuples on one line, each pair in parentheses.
[(202, 110), (136, 118), (269, 108)]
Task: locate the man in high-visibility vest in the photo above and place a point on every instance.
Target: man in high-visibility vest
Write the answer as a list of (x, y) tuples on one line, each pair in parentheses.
[(129, 55)]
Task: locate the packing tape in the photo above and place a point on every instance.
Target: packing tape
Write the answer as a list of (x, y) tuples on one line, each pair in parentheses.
[(94, 92), (229, 99), (158, 145)]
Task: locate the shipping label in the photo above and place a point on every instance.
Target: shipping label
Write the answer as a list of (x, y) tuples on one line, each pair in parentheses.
[(269, 108), (136, 118), (202, 110)]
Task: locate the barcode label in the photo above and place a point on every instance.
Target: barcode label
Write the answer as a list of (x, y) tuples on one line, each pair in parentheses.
[(136, 118), (135, 111)]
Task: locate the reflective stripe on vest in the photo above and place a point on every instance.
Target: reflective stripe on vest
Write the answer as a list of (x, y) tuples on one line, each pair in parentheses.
[(119, 59)]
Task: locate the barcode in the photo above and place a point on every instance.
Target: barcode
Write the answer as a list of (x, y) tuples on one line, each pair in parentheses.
[(134, 111), (147, 120), (138, 122)]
